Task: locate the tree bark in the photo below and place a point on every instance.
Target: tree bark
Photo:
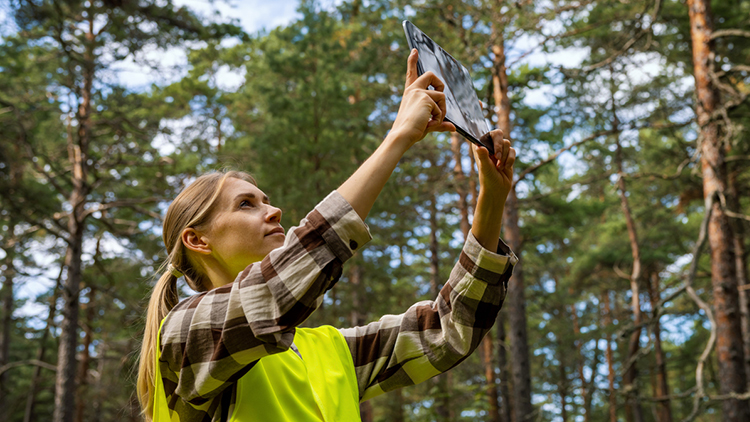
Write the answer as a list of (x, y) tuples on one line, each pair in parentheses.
[(515, 298), (8, 275), (82, 398), (493, 411), (610, 359), (663, 408), (506, 409), (460, 183), (741, 262), (357, 319), (65, 382), (397, 406), (729, 344), (442, 401), (28, 415), (585, 393), (633, 410), (562, 385)]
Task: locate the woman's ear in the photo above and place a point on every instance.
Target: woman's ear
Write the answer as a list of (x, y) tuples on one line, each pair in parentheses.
[(195, 241)]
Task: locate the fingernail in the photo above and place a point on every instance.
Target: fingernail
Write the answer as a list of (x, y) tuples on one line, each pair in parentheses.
[(413, 50)]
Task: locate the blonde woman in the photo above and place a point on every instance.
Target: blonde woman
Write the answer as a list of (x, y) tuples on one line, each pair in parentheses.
[(234, 350)]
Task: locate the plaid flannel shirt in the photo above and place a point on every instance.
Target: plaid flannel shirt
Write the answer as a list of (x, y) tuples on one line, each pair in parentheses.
[(210, 340)]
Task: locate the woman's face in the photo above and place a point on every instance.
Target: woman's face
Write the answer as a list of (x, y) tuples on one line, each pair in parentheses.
[(244, 227)]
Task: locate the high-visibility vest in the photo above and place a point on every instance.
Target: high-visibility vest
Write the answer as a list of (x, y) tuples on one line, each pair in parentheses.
[(321, 385)]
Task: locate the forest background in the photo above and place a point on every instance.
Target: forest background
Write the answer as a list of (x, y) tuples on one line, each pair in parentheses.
[(629, 210)]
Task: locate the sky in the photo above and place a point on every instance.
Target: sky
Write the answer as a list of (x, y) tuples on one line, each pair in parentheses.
[(253, 16)]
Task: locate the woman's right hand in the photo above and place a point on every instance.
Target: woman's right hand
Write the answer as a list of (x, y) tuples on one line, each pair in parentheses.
[(422, 110)]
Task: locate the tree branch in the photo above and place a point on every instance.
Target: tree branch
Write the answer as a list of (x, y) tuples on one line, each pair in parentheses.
[(557, 153), (35, 362), (630, 42), (689, 288), (729, 33), (131, 203)]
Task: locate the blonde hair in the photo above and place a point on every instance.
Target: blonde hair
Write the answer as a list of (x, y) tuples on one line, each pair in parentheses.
[(191, 208)]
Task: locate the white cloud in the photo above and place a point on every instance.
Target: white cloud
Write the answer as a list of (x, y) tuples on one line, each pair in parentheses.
[(165, 66)]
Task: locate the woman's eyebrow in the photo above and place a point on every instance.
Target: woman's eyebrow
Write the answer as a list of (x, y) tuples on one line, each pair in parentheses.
[(250, 195)]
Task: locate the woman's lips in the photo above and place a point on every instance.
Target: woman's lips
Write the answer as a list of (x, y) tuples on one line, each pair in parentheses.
[(277, 230)]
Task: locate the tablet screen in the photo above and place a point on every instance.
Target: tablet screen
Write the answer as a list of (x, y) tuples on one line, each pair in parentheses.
[(462, 103)]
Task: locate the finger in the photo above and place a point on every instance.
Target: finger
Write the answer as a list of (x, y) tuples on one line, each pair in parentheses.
[(483, 156), (504, 147), (411, 67), (509, 163), (488, 141), (475, 149), (429, 79), (439, 99), (441, 127)]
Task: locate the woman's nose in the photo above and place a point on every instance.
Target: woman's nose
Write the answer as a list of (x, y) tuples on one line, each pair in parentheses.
[(273, 215)]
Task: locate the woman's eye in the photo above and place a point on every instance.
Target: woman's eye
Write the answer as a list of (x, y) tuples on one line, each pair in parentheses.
[(245, 203)]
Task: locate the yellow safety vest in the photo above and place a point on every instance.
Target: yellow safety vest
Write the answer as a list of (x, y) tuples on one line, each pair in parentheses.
[(319, 386)]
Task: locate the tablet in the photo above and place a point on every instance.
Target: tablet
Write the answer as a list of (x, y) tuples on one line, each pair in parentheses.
[(462, 103)]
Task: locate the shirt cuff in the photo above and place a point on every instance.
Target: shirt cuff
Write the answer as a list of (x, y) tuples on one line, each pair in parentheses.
[(345, 232), (487, 266)]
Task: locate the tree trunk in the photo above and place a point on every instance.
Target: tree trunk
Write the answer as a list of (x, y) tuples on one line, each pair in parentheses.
[(28, 415), (65, 382), (585, 394), (82, 398), (741, 262), (515, 297), (588, 400), (493, 411), (8, 274), (610, 359), (562, 385), (96, 403), (442, 401), (663, 408), (397, 406), (460, 181), (502, 361), (633, 410), (16, 169), (357, 319), (729, 344)]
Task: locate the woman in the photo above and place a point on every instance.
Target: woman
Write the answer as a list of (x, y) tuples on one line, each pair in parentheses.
[(234, 352)]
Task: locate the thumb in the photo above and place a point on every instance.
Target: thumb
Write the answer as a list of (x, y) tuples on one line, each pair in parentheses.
[(483, 154)]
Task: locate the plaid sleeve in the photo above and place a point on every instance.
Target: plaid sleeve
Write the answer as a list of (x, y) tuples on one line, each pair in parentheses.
[(211, 339), (433, 336)]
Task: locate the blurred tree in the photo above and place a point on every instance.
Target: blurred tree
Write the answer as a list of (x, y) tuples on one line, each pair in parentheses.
[(109, 132)]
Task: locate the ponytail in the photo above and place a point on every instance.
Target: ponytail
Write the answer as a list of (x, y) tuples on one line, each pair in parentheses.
[(191, 208), (164, 297)]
